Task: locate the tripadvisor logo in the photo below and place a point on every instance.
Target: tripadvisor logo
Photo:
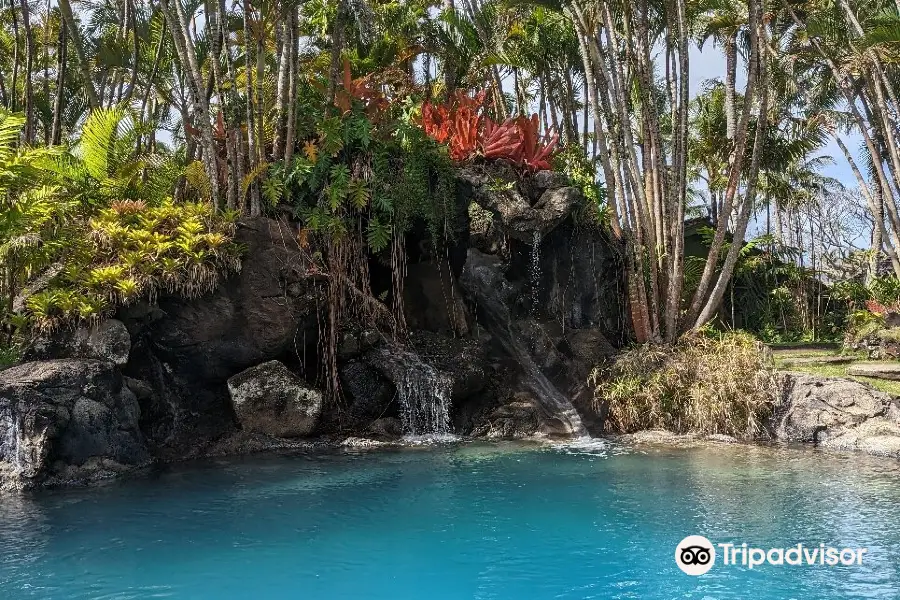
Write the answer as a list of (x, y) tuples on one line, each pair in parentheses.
[(695, 555)]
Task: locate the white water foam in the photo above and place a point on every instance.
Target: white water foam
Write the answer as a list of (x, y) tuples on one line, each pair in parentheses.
[(585, 445), (431, 439), (424, 394)]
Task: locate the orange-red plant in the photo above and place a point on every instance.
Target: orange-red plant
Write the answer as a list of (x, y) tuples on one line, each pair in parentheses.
[(363, 89), (467, 133), (877, 308), (535, 152), (457, 124)]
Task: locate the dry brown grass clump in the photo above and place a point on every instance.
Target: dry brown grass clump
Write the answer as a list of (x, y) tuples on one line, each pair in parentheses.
[(707, 383)]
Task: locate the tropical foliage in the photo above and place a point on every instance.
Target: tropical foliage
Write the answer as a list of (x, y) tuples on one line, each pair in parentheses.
[(349, 116), (468, 134), (90, 228)]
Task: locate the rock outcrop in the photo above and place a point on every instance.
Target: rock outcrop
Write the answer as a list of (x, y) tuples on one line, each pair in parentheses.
[(271, 400), (185, 350), (837, 413), (516, 419), (107, 340), (524, 209), (493, 345), (68, 420)]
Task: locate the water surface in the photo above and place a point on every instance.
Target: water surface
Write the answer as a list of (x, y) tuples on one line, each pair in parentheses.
[(469, 521)]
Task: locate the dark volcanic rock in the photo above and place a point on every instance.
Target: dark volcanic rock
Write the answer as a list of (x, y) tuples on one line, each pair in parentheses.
[(433, 301), (386, 427), (461, 360), (369, 393), (66, 420), (185, 350), (582, 279), (108, 340), (251, 317), (271, 400), (518, 418)]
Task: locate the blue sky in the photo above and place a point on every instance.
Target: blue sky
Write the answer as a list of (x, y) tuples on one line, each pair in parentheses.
[(710, 64)]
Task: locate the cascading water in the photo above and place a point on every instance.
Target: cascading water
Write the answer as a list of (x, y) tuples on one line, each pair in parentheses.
[(496, 317), (535, 272), (424, 394), (10, 441)]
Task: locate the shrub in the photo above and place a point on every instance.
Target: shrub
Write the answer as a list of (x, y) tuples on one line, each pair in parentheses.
[(707, 383), (130, 251), (862, 324)]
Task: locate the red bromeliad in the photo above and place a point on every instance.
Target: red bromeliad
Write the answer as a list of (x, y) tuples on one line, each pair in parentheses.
[(456, 125), (459, 125)]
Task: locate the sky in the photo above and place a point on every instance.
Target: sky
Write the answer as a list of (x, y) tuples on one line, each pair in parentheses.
[(710, 64)]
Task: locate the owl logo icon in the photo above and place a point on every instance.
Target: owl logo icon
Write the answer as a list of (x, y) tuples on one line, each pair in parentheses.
[(695, 555)]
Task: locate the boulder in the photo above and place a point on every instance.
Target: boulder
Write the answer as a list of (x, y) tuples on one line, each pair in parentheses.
[(836, 413), (67, 420), (516, 213), (368, 392), (516, 419), (271, 400), (107, 340)]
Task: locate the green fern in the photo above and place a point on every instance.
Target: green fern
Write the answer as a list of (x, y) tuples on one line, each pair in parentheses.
[(378, 235)]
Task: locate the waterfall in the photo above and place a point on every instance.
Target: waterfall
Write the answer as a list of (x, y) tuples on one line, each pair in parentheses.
[(10, 442), (484, 280), (535, 272), (424, 394)]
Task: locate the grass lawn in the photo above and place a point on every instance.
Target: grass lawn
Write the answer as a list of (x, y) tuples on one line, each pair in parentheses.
[(883, 385)]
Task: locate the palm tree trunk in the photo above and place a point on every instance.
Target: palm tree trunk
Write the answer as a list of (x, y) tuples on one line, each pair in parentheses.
[(78, 46), (61, 54), (847, 90), (565, 95), (135, 52), (292, 87), (152, 78), (253, 151), (215, 23), (281, 96), (260, 94), (28, 133), (876, 208), (13, 100), (755, 87), (759, 65), (184, 45), (449, 62), (730, 82), (46, 79)]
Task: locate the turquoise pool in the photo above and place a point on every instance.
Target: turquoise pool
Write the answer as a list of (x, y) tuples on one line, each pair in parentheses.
[(467, 521)]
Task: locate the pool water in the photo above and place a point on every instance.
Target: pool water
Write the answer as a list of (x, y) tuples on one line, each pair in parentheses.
[(466, 521)]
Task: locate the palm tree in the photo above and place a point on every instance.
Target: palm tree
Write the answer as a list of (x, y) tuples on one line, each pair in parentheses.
[(725, 23)]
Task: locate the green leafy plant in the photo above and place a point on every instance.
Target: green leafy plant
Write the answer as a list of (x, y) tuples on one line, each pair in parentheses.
[(130, 251)]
